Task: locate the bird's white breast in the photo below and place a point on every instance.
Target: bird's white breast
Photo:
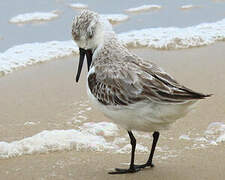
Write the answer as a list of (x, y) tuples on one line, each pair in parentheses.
[(144, 116)]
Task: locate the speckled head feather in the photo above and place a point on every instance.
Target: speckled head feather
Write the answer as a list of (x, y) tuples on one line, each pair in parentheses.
[(88, 29), (86, 21), (83, 28)]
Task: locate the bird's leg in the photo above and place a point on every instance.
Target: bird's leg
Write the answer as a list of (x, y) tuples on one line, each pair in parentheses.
[(149, 162), (132, 168)]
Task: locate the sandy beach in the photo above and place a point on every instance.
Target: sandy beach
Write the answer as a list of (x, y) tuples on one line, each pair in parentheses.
[(49, 129), (46, 95)]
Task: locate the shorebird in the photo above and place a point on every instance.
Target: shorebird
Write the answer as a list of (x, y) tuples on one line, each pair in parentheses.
[(134, 93)]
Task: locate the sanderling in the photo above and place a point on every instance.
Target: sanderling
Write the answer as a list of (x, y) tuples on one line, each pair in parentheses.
[(135, 94)]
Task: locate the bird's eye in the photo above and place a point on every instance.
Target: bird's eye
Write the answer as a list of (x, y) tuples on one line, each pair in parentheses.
[(75, 34), (90, 34)]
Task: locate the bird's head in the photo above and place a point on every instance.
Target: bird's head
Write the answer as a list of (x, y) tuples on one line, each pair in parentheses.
[(88, 33)]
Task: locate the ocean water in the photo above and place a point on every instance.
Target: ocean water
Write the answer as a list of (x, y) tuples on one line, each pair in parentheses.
[(23, 44), (170, 15), (156, 38)]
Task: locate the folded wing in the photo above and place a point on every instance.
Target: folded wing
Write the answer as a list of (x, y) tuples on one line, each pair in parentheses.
[(131, 81)]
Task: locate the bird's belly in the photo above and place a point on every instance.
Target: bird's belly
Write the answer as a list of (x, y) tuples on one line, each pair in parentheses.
[(143, 116)]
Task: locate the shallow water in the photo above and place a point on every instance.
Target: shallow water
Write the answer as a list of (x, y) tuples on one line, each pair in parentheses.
[(59, 29)]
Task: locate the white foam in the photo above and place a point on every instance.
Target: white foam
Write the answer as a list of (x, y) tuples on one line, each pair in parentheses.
[(55, 140), (120, 140), (27, 54), (200, 139), (221, 138), (115, 18), (78, 6), (100, 136), (30, 123), (101, 128), (127, 149), (143, 8), (159, 38), (215, 128), (175, 38), (184, 137), (188, 6), (34, 17), (93, 136), (216, 132), (89, 136), (213, 135)]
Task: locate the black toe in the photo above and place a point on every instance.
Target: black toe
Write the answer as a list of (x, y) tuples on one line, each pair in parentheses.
[(141, 166), (125, 171)]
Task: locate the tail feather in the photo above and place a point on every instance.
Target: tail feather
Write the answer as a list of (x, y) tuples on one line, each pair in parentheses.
[(194, 94)]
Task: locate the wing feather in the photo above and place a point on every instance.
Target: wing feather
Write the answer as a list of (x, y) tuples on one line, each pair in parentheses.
[(134, 80)]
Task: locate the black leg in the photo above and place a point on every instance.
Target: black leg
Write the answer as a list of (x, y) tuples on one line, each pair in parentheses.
[(149, 162), (132, 168), (155, 140)]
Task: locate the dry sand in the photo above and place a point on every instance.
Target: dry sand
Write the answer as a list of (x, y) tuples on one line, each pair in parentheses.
[(46, 94)]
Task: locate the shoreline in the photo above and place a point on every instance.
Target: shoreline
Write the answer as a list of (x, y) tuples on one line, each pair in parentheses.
[(47, 95)]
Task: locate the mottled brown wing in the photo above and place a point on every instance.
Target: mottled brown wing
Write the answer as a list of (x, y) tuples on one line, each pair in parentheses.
[(131, 81), (114, 86), (173, 93)]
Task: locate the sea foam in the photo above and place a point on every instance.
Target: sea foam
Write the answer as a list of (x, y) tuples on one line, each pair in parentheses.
[(78, 6), (188, 7), (143, 8), (216, 132), (90, 136), (115, 18), (27, 54), (101, 136), (158, 38), (50, 141), (34, 17), (213, 135), (175, 38)]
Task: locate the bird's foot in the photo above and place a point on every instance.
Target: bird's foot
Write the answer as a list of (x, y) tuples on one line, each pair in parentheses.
[(141, 166), (125, 171), (135, 169)]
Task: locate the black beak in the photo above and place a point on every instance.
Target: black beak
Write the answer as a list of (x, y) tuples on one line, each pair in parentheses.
[(88, 54)]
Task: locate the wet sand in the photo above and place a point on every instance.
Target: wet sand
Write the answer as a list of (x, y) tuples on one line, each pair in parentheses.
[(47, 95)]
